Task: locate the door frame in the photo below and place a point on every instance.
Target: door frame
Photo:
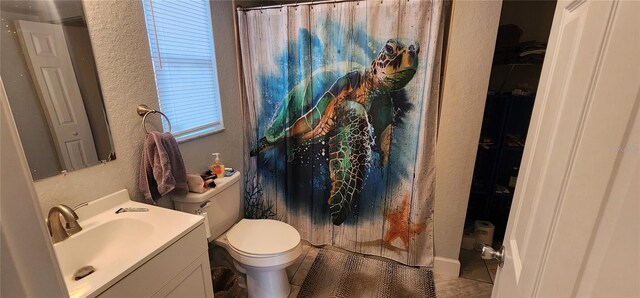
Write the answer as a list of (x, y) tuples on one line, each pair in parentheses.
[(29, 264), (473, 24)]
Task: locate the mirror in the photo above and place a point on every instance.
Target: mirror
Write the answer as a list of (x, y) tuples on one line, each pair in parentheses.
[(50, 77)]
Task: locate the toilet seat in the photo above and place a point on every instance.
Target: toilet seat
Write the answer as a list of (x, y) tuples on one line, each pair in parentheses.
[(268, 263), (261, 238), (248, 255), (245, 243)]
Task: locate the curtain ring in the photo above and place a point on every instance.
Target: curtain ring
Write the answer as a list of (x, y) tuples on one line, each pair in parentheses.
[(334, 3), (261, 6)]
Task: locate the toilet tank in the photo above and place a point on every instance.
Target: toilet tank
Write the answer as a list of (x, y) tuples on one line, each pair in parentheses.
[(222, 204)]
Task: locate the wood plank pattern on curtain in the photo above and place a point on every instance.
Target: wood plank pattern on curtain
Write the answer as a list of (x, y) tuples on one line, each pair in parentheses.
[(340, 106)]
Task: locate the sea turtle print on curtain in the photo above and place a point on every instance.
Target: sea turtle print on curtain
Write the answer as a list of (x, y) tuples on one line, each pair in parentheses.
[(340, 111), (343, 115)]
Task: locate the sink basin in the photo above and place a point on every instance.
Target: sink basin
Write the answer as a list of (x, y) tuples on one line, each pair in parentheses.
[(116, 244), (101, 246)]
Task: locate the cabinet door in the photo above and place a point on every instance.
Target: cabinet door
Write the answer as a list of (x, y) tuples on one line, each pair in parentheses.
[(194, 281), (162, 269)]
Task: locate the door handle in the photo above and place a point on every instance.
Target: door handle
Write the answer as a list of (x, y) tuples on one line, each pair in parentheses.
[(489, 253)]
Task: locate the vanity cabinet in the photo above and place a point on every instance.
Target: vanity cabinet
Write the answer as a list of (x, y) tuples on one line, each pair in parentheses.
[(180, 270)]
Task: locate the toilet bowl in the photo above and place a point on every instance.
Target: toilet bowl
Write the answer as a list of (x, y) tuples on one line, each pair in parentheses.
[(261, 248)]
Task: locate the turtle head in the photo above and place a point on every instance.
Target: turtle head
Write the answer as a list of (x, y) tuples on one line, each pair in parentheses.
[(396, 64)]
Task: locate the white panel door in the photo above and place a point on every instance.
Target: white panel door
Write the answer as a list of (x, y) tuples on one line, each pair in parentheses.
[(580, 167), (46, 52)]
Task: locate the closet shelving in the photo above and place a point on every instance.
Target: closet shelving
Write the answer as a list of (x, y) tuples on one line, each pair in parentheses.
[(504, 130)]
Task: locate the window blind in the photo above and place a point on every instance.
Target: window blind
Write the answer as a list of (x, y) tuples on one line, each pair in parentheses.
[(181, 42)]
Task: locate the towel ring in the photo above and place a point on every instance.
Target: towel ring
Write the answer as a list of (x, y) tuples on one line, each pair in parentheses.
[(144, 111)]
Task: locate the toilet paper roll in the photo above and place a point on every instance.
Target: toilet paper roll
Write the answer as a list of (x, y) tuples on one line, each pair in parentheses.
[(468, 241), (484, 233), (206, 223)]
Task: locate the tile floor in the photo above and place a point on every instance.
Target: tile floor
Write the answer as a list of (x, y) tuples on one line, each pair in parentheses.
[(476, 275), (298, 271)]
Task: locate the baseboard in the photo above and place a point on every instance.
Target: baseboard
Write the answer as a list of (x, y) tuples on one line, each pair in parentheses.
[(446, 266)]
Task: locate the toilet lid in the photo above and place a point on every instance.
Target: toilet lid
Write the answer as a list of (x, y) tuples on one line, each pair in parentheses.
[(263, 236)]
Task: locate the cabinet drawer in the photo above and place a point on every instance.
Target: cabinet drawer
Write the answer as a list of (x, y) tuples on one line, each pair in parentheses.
[(149, 278)]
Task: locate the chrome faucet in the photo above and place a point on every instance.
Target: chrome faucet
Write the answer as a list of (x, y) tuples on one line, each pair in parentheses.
[(56, 230)]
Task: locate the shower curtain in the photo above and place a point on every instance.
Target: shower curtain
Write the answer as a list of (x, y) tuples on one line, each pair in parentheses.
[(340, 108)]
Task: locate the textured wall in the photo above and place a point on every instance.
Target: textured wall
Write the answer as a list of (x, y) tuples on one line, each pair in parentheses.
[(472, 37)]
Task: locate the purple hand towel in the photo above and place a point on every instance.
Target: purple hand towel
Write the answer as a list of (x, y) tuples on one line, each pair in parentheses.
[(162, 169)]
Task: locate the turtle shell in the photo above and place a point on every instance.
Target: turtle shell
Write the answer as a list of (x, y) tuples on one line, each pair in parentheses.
[(303, 96)]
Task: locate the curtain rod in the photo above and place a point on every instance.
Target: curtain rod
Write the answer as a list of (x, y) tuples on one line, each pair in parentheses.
[(240, 8)]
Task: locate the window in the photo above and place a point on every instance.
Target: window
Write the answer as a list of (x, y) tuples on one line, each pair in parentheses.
[(181, 42)]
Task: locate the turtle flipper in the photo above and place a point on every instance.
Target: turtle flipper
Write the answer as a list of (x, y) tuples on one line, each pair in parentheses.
[(381, 117), (349, 151), (384, 143)]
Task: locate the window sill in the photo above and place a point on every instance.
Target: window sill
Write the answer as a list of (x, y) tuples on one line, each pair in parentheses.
[(185, 139)]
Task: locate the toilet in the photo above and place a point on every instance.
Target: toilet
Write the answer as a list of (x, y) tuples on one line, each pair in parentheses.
[(261, 248)]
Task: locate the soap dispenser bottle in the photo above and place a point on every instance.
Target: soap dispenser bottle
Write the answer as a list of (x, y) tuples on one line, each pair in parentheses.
[(217, 167)]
